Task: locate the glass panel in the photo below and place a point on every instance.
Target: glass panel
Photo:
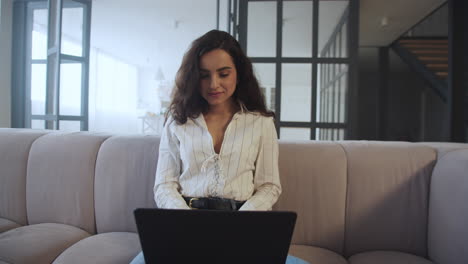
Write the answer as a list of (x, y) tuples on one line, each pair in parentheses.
[(38, 124), (261, 29), (341, 134), (266, 74), (54, 14), (337, 45), (296, 92), (344, 40), (329, 133), (297, 29), (223, 15), (38, 89), (68, 125), (336, 102), (51, 125), (320, 109), (72, 29), (332, 88), (294, 133), (330, 102), (330, 15), (39, 35), (321, 74), (332, 47), (343, 94), (320, 133), (51, 84), (70, 88)]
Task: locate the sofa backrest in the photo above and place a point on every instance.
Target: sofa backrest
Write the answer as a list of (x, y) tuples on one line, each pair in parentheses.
[(355, 196), (350, 196), (387, 196), (448, 209), (60, 179), (14, 154), (313, 179), (125, 171)]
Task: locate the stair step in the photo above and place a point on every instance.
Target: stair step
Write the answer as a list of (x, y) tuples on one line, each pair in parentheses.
[(442, 74), (425, 46), (430, 51), (426, 58), (437, 65), (429, 57), (421, 41)]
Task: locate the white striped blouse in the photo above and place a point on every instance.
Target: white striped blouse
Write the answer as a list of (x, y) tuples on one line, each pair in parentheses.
[(246, 169)]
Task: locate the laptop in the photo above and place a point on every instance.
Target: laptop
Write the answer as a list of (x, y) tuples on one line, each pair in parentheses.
[(170, 236)]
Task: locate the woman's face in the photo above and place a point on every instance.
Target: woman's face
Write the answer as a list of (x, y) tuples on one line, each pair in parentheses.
[(218, 77)]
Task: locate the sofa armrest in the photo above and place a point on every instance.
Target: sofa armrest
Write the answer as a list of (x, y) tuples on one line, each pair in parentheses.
[(448, 209)]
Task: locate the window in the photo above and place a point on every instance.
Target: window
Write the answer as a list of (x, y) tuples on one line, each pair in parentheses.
[(108, 69), (301, 54)]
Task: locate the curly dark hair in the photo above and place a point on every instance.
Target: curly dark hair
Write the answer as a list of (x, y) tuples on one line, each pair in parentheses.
[(187, 101)]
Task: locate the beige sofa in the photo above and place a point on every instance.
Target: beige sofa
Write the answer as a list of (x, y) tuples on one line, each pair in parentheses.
[(69, 198)]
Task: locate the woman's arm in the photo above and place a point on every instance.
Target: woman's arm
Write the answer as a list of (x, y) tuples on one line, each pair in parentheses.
[(266, 177), (166, 185)]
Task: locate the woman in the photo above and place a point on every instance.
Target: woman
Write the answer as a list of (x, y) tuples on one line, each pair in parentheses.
[(219, 146)]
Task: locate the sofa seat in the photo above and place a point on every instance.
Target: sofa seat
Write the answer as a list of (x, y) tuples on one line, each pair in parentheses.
[(39, 243), (6, 225), (115, 247), (387, 257), (316, 255)]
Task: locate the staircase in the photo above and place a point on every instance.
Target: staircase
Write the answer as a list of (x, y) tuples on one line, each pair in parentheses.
[(429, 57)]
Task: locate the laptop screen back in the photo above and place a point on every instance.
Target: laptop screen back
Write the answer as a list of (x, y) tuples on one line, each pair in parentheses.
[(207, 236)]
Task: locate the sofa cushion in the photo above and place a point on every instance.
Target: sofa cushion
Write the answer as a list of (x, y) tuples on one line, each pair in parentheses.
[(125, 171), (15, 145), (6, 224), (387, 196), (387, 257), (316, 255), (313, 179), (60, 179), (443, 148), (116, 247), (448, 209), (40, 243)]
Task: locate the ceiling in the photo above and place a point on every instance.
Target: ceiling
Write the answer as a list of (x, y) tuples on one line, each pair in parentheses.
[(155, 34), (383, 21), (150, 34)]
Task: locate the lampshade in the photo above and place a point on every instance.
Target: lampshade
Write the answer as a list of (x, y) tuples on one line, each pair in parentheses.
[(159, 75)]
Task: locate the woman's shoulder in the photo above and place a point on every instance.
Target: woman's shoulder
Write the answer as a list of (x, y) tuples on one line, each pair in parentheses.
[(258, 115), (259, 119), (171, 121), (172, 124), (177, 127)]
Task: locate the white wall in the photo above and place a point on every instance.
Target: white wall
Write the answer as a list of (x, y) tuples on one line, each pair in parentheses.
[(6, 15)]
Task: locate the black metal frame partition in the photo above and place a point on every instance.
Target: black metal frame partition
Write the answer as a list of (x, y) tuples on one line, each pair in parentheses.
[(458, 71), (22, 62), (232, 16), (351, 19)]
